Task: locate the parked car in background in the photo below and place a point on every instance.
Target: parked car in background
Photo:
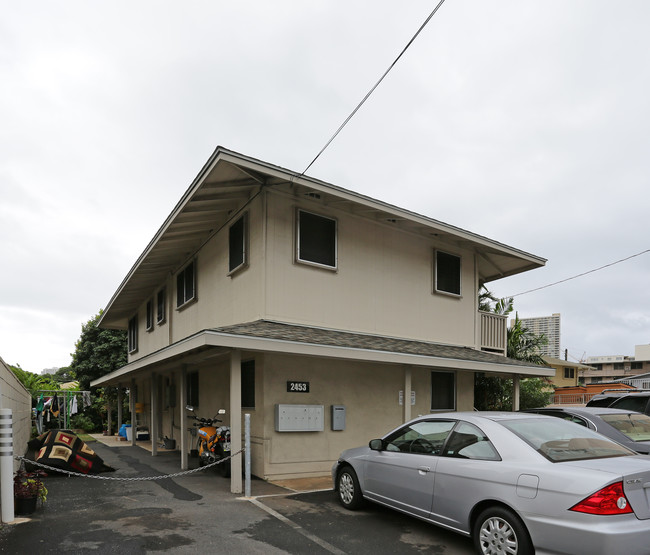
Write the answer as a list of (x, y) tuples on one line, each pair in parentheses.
[(606, 397), (629, 428), (638, 401), (517, 483)]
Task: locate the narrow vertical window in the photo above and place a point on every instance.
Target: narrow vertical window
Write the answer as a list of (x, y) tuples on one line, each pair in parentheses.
[(193, 389), (248, 384), (150, 315), (132, 335), (161, 299), (447, 273), (238, 244), (186, 284)]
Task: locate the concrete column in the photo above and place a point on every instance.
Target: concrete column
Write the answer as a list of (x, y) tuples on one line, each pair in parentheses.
[(185, 436), (235, 421), (515, 391), (153, 425)]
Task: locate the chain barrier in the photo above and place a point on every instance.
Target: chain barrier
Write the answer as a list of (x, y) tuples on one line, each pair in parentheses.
[(136, 479)]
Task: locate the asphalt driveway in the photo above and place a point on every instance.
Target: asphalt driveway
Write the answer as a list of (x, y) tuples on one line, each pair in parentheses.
[(198, 514)]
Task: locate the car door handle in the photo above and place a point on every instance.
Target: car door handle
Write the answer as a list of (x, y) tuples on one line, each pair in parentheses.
[(424, 469)]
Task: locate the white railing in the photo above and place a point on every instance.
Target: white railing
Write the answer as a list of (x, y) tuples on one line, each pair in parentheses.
[(494, 332)]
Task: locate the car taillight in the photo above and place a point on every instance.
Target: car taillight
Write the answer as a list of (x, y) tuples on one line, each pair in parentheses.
[(608, 501)]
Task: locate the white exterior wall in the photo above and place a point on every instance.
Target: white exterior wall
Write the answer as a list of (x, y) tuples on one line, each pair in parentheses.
[(14, 396)]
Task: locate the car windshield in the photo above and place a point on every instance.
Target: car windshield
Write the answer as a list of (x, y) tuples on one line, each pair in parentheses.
[(634, 426), (560, 440)]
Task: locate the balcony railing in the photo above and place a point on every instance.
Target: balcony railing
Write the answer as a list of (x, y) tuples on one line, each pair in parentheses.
[(494, 332)]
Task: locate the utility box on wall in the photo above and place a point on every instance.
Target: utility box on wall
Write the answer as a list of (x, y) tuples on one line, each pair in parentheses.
[(338, 417), (299, 418)]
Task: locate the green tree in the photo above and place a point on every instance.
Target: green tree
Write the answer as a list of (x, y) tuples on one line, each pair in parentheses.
[(491, 393), (34, 382), (97, 352)]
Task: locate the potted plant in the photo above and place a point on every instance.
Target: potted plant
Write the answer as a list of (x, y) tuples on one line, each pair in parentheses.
[(28, 489)]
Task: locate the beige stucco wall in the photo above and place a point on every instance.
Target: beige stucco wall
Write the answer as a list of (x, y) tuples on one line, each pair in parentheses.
[(15, 397), (383, 284), (369, 392)]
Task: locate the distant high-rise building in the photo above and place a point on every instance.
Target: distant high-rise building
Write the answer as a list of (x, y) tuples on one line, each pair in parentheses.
[(550, 327)]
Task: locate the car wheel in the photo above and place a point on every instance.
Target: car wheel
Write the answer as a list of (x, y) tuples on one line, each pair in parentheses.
[(498, 531), (347, 485)]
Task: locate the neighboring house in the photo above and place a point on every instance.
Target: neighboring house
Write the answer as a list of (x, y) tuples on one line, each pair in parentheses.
[(14, 396), (566, 373), (328, 316), (617, 367)]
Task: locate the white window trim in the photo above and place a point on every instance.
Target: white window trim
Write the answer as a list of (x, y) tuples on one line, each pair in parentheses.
[(246, 245), (435, 274), (194, 297), (336, 242)]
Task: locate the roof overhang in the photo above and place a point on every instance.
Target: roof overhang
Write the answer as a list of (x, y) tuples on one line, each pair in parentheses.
[(229, 181), (209, 343)]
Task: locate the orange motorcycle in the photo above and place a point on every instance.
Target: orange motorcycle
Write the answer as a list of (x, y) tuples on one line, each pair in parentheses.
[(213, 442)]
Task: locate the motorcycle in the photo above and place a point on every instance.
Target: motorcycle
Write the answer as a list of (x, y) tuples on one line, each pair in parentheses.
[(213, 442)]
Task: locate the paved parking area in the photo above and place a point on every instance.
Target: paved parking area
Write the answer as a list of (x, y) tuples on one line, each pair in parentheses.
[(197, 513)]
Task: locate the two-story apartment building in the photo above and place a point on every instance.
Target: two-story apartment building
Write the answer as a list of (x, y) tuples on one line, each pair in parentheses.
[(328, 316)]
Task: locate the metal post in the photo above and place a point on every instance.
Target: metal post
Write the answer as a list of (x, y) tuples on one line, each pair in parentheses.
[(6, 465), (247, 455), (235, 421)]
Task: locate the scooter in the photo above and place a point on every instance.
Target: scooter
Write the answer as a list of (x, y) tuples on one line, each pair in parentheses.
[(213, 443)]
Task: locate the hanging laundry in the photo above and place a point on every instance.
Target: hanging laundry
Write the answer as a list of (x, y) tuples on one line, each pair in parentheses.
[(54, 409), (39, 415), (86, 398), (73, 406)]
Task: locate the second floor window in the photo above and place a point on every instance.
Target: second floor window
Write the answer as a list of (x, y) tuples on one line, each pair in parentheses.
[(186, 284), (447, 273), (150, 315), (237, 244), (160, 306), (316, 240), (132, 336), (569, 373)]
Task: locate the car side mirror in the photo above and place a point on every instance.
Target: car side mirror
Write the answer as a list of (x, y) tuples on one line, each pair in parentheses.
[(376, 445)]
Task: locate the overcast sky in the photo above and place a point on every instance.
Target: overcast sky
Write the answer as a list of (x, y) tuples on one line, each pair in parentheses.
[(526, 122)]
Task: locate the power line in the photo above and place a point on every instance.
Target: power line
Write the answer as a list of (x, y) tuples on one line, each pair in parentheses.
[(582, 274), (373, 88)]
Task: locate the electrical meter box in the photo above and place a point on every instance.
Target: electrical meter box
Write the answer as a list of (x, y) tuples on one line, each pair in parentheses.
[(338, 417), (299, 418)]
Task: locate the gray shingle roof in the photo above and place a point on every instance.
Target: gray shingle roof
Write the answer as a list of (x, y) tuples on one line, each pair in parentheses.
[(335, 338)]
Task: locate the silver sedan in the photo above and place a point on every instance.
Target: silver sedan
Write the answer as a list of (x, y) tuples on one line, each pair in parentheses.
[(516, 483)]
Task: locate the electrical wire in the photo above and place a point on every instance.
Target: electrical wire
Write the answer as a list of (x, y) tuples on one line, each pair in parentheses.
[(580, 275), (373, 88)]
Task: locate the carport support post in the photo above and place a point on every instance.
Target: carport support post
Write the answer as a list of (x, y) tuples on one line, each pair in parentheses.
[(6, 465), (153, 427), (515, 392), (132, 409), (235, 421), (407, 393), (119, 407), (183, 420)]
